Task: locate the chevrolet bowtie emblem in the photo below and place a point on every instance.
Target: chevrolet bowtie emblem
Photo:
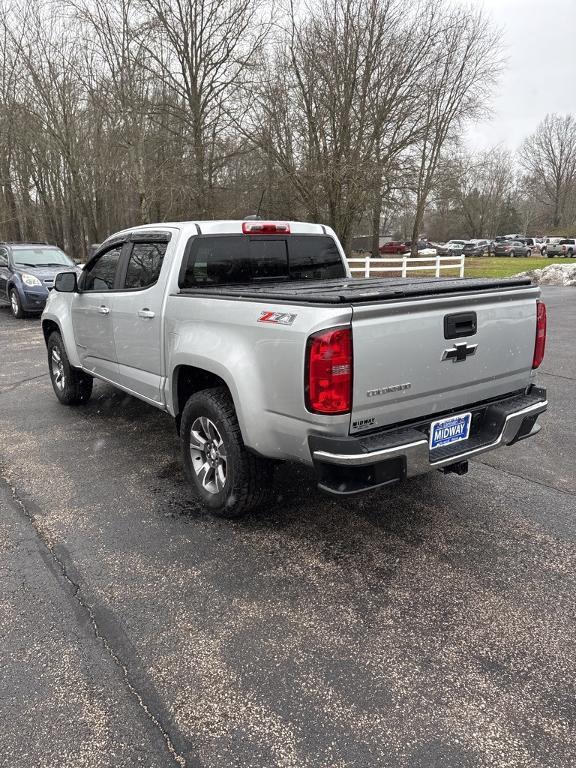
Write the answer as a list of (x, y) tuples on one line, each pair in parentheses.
[(459, 352)]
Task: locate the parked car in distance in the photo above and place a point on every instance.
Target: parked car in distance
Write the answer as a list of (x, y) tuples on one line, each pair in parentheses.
[(535, 243), (451, 248), (476, 247), (512, 248), (564, 248), (256, 339), (550, 242), (27, 272), (421, 245), (394, 247)]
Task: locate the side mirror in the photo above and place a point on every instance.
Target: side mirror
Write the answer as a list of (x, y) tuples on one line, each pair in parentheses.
[(66, 282)]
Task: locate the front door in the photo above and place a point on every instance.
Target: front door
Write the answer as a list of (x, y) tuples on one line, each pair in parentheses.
[(137, 319), (93, 312)]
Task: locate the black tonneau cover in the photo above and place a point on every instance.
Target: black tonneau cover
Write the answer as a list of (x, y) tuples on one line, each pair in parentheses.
[(353, 291)]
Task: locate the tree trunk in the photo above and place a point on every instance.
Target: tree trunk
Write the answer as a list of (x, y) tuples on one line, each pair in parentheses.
[(376, 213), (13, 227)]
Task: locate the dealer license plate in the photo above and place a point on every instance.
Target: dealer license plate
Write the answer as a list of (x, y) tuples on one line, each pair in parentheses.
[(450, 430)]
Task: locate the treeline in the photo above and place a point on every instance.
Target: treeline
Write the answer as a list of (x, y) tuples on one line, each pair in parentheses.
[(497, 192), (116, 112)]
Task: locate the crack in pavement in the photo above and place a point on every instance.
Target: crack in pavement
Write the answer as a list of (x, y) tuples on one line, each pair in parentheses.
[(178, 758), (557, 376), (527, 479), (10, 387)]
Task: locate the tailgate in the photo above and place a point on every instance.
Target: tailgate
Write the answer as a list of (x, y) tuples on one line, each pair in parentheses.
[(420, 357)]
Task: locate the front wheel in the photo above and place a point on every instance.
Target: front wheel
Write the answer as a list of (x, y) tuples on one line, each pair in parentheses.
[(71, 386), (15, 304), (226, 476)]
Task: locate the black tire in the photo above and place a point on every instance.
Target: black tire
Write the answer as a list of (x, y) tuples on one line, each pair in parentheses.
[(71, 386), (528, 253), (15, 304), (570, 254), (512, 254), (248, 478)]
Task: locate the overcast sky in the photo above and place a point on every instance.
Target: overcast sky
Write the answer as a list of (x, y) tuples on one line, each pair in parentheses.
[(539, 38)]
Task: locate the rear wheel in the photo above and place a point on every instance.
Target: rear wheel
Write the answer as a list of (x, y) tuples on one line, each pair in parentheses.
[(528, 253), (71, 386), (226, 476), (15, 304)]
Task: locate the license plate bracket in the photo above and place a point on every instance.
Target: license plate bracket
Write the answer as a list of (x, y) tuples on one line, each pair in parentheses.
[(452, 429)]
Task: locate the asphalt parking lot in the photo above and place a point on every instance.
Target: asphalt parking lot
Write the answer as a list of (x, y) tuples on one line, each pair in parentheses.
[(430, 625)]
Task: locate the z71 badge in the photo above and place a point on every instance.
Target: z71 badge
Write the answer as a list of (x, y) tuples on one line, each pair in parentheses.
[(277, 318)]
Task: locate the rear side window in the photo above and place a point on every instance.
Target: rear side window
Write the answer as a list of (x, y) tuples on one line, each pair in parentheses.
[(217, 261), (144, 264), (101, 273), (314, 258), (233, 259)]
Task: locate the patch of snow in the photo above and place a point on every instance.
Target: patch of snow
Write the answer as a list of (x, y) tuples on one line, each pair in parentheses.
[(555, 274)]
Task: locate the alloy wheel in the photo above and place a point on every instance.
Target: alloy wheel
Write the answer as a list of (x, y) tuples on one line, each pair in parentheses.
[(57, 366), (208, 454)]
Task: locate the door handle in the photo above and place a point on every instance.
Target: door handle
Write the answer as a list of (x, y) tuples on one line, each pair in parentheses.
[(104, 310), (146, 313)]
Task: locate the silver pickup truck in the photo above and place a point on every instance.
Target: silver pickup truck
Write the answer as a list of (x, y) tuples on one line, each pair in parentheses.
[(255, 338)]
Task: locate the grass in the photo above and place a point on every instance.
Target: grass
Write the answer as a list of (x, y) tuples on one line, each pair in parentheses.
[(505, 266), (485, 266)]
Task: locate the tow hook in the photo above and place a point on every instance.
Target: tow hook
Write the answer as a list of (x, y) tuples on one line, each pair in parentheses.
[(459, 468)]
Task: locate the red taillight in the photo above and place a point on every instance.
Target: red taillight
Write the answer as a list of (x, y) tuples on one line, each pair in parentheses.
[(262, 228), (540, 342), (329, 371)]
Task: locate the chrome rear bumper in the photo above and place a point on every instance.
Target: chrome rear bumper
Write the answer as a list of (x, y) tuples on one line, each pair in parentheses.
[(392, 456)]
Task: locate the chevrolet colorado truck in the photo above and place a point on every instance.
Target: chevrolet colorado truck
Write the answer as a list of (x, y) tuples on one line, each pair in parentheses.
[(256, 339)]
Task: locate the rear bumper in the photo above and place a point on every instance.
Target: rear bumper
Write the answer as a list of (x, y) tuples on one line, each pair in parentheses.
[(355, 464)]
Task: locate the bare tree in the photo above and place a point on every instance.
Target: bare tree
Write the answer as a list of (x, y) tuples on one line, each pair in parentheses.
[(549, 157), (337, 104), (203, 51), (461, 71)]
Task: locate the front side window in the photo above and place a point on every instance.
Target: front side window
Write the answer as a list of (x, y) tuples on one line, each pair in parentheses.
[(144, 264), (101, 273)]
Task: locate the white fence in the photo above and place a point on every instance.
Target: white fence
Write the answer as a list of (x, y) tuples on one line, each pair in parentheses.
[(405, 264)]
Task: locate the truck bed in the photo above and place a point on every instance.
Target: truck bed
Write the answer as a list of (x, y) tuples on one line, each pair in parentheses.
[(355, 291)]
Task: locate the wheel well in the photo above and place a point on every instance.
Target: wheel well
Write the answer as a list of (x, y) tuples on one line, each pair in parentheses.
[(48, 327), (190, 380)]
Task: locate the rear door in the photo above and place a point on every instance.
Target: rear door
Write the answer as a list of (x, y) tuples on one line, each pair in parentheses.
[(427, 356), (137, 319), (92, 312)]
